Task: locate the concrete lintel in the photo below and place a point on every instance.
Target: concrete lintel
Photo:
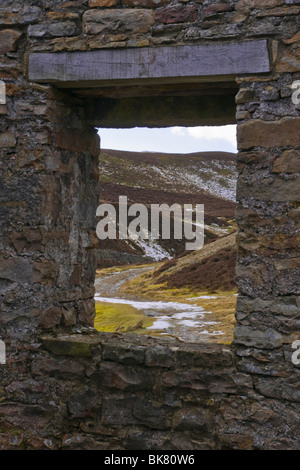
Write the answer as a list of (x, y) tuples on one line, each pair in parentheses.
[(101, 67)]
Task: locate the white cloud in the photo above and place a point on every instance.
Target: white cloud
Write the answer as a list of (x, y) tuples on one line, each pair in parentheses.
[(178, 130), (171, 140), (227, 133)]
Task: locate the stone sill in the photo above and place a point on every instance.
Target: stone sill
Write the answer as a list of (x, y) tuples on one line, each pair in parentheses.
[(133, 349)]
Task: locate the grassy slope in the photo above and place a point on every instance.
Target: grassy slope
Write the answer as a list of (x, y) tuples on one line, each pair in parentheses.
[(203, 270), (119, 318)]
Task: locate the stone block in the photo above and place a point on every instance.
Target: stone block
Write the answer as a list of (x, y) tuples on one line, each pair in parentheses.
[(9, 442), (45, 272), (264, 339), (8, 40), (289, 162), (268, 362), (69, 316), (238, 409), (18, 15), (208, 356), (40, 443), (253, 279), (30, 14), (7, 139), (50, 317), (27, 107), (25, 416), (69, 44), (146, 440), (244, 96), (130, 354), (282, 389), (241, 115), (84, 402), (103, 3), (145, 3), (191, 418), (59, 29), (268, 134), (294, 38), (287, 264), (121, 377), (124, 21), (236, 441), (159, 356), (71, 344), (289, 59), (177, 14), (150, 414), (29, 239), (247, 5), (284, 306), (267, 245), (215, 8), (83, 442), (57, 367), (117, 410), (280, 11), (212, 382), (16, 270), (273, 189), (57, 16)]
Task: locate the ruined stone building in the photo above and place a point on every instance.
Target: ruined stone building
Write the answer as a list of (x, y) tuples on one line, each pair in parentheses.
[(68, 67)]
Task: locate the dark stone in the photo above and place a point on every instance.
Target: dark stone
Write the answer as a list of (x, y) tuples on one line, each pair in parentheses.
[(121, 377), (159, 356), (177, 14)]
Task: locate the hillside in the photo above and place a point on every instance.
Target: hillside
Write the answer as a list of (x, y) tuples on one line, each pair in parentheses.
[(207, 178), (199, 268), (199, 174)]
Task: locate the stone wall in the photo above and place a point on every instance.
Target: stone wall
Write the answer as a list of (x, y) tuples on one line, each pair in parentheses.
[(100, 391), (75, 388)]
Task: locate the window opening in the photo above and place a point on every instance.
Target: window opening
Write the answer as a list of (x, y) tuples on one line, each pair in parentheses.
[(156, 286)]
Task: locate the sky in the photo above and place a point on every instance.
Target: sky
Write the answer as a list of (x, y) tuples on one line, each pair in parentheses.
[(171, 139)]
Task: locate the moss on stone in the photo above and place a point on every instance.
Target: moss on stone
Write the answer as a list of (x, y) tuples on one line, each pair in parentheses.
[(71, 345)]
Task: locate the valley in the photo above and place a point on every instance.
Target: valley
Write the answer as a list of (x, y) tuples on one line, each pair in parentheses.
[(156, 287)]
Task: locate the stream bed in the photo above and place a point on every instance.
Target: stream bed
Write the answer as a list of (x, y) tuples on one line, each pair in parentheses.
[(187, 321)]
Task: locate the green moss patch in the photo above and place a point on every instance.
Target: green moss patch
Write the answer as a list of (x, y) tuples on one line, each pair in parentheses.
[(119, 318)]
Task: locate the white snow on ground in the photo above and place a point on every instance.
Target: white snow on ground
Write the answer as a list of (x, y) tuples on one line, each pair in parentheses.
[(155, 305), (169, 316), (152, 249), (206, 176)]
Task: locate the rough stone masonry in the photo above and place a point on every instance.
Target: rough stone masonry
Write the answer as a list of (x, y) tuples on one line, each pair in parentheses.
[(65, 386)]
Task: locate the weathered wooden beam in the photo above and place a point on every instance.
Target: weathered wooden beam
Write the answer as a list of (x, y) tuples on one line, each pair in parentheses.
[(160, 111), (162, 64)]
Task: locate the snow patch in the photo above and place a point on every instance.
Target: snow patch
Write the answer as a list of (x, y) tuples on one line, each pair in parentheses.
[(152, 249)]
